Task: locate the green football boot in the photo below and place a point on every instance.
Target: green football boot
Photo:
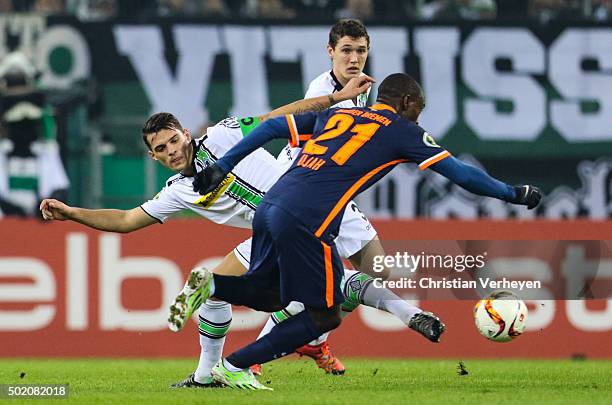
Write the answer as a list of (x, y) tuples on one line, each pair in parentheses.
[(243, 379), (197, 289)]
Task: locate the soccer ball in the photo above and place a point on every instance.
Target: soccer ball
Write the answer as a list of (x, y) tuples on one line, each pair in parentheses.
[(500, 317)]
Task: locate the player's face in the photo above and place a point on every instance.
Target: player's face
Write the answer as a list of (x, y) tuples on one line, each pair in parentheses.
[(348, 57), (413, 108), (417, 109), (172, 148)]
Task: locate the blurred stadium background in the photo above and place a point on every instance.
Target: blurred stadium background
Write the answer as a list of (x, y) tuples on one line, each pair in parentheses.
[(521, 88)]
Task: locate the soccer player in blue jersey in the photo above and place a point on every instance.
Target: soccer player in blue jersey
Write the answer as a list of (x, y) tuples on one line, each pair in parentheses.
[(293, 256)]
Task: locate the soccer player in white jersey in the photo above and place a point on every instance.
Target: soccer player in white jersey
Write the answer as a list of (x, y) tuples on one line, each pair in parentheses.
[(347, 47), (232, 205)]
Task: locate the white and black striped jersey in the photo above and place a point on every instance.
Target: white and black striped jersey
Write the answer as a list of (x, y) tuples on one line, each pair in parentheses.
[(235, 202)]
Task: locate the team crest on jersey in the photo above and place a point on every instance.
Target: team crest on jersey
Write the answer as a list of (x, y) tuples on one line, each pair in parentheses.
[(209, 199), (429, 141), (204, 157)]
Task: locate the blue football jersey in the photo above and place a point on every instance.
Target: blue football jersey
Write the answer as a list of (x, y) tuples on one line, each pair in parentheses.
[(344, 152)]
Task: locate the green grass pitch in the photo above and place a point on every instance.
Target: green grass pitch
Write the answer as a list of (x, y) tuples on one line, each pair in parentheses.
[(297, 381)]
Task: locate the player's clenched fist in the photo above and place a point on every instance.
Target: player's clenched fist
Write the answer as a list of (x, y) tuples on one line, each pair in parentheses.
[(527, 195), (54, 209)]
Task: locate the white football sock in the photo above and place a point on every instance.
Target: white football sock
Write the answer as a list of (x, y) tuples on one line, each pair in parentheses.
[(214, 319), (293, 308), (388, 301)]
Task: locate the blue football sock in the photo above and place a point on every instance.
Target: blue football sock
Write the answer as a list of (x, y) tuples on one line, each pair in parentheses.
[(283, 339)]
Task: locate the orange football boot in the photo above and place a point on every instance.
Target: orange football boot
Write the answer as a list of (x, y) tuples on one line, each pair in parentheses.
[(324, 358)]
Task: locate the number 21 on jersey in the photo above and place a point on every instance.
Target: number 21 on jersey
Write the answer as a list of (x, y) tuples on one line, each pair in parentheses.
[(337, 125)]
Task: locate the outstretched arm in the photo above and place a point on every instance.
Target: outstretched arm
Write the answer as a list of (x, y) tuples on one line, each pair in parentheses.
[(288, 127), (479, 182), (104, 220), (276, 126), (355, 87)]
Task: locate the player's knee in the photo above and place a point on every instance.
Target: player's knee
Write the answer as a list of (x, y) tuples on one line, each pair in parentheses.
[(370, 260), (325, 319), (334, 321), (373, 268), (328, 322)]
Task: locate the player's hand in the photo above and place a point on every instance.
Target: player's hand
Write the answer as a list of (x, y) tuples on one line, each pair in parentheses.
[(527, 195), (355, 87), (52, 209), (208, 179)]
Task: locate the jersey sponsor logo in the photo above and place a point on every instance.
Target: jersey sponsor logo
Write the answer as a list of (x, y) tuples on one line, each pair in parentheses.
[(209, 199), (234, 188), (429, 141)]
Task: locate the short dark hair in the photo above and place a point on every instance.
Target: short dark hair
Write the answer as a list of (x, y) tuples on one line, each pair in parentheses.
[(398, 85), (157, 122), (347, 28)]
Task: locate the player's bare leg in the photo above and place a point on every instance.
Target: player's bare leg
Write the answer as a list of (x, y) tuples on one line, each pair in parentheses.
[(363, 261), (230, 266)]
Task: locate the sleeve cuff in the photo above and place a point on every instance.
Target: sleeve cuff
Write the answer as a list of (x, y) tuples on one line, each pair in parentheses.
[(157, 219)]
